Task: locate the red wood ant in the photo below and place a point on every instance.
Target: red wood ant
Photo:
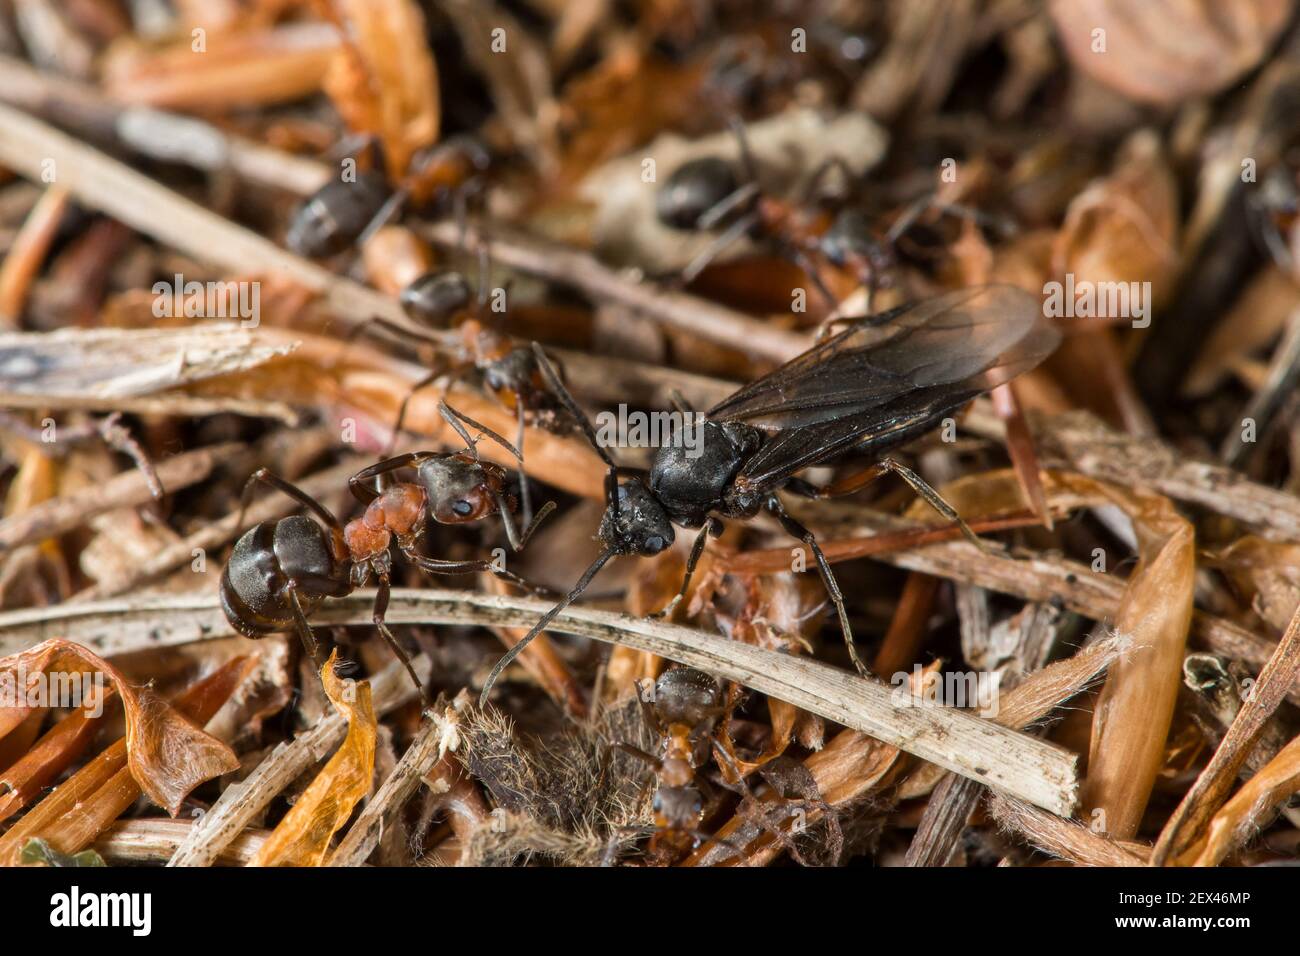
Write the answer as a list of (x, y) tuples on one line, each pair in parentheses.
[(508, 369), (685, 707), (705, 193), (344, 212), (280, 572)]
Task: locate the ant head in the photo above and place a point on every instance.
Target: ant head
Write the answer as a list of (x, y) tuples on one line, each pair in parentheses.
[(677, 808), (849, 238), (636, 523), (693, 189), (460, 489), (435, 297), (684, 695)]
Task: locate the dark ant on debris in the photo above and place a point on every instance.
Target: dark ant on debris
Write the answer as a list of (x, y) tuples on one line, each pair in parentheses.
[(882, 381), (281, 571)]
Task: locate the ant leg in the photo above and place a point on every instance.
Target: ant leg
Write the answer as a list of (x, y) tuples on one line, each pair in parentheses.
[(267, 477), (381, 609), (742, 144), (425, 382), (366, 494), (525, 497), (387, 212), (455, 418), (738, 198), (712, 527), (859, 480), (601, 560), (303, 627), (719, 244), (439, 566), (796, 530), (559, 390), (810, 269)]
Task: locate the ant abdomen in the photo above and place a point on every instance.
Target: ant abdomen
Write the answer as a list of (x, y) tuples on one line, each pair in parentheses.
[(693, 189), (334, 216), (255, 585), (434, 298), (684, 695)]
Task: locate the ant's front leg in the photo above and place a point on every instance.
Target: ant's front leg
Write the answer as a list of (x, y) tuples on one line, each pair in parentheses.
[(712, 528)]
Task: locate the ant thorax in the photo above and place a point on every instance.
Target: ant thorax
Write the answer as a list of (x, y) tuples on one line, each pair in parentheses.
[(690, 482), (398, 512)]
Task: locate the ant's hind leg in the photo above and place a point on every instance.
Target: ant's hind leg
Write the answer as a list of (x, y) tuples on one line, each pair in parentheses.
[(267, 477), (859, 480), (425, 382), (796, 530), (303, 628)]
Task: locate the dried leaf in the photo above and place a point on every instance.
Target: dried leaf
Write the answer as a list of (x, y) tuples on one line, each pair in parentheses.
[(384, 82), (302, 838), (168, 755), (1133, 714), (1248, 809), (1168, 51)]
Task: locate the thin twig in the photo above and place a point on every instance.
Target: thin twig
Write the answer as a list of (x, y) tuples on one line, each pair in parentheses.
[(241, 802), (1205, 797), (435, 738), (1036, 771), (581, 270), (125, 490)]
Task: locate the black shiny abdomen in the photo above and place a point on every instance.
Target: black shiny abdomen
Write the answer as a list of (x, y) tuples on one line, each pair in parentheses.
[(334, 216), (264, 560), (693, 189)]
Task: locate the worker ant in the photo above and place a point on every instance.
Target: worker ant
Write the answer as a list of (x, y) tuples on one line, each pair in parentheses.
[(281, 571), (882, 381), (508, 369), (344, 212), (682, 712), (704, 194)]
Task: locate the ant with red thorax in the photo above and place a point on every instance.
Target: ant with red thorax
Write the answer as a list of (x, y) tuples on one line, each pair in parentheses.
[(509, 369), (706, 193), (280, 572), (685, 706)]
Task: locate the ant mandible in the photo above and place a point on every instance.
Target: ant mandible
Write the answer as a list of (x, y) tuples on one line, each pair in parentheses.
[(281, 571)]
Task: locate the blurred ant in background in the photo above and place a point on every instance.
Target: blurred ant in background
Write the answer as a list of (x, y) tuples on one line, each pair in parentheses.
[(705, 194), (345, 212), (281, 571), (1275, 209)]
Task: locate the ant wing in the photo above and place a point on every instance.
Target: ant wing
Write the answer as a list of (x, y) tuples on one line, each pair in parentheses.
[(809, 436), (947, 342)]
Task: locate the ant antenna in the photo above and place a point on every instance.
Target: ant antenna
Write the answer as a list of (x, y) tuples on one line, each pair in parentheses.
[(601, 560)]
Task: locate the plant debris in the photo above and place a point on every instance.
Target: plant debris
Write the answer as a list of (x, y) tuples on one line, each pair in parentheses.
[(987, 554)]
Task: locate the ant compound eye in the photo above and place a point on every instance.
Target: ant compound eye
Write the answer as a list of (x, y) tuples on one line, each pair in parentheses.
[(463, 508), (654, 544), (658, 803)]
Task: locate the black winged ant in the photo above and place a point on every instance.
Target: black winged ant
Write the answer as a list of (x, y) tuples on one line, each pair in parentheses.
[(343, 212), (882, 381), (280, 572)]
